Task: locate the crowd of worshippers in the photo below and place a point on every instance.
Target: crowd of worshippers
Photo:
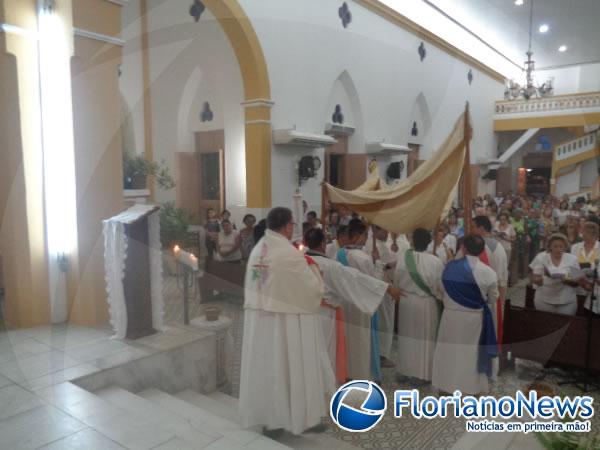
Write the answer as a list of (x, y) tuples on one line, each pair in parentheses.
[(440, 292)]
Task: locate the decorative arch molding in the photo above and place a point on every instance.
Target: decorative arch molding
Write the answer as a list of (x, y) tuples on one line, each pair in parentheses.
[(352, 109), (257, 94), (421, 114)]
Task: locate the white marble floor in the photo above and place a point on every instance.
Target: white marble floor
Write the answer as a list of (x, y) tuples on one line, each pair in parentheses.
[(39, 408)]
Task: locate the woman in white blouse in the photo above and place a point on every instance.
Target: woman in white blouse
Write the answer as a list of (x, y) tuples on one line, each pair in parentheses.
[(561, 214), (556, 275), (587, 254), (505, 233), (228, 243)]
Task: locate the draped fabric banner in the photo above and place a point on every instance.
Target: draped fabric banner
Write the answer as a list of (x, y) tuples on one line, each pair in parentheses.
[(418, 201)]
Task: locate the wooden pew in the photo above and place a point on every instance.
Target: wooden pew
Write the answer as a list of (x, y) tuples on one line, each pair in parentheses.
[(549, 338), (227, 278)]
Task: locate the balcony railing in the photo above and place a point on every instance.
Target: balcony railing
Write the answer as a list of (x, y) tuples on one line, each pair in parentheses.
[(559, 104), (576, 146)]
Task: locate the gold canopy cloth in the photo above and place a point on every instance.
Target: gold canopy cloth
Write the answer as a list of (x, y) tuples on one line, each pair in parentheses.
[(418, 201)]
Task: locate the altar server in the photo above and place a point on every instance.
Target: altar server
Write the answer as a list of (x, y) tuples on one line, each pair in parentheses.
[(286, 373), (384, 256), (363, 338), (344, 285), (466, 339), (420, 275), (341, 239)]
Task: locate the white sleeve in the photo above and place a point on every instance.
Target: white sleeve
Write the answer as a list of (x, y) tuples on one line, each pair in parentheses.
[(492, 291), (353, 286), (537, 265)]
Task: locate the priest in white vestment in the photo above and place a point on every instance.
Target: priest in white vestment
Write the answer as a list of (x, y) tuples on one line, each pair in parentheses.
[(361, 331), (419, 273), (344, 285), (467, 345), (286, 374), (384, 256)]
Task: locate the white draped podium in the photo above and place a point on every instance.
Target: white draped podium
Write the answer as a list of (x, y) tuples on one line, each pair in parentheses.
[(115, 256)]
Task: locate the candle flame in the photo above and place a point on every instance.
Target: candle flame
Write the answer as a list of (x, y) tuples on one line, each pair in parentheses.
[(176, 248)]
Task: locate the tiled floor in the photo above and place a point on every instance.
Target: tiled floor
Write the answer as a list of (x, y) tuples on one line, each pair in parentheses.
[(34, 367), (38, 409)]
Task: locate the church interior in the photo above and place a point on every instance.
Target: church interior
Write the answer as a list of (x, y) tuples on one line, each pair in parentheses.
[(146, 145)]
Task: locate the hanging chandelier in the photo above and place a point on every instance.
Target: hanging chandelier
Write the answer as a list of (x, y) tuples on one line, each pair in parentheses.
[(514, 90)]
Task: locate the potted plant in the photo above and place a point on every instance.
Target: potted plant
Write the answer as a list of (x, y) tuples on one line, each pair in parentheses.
[(136, 170), (174, 223)]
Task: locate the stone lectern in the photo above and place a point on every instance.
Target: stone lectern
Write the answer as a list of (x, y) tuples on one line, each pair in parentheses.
[(133, 266)]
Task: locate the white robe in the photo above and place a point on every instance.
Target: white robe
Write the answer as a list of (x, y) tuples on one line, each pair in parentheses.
[(358, 324), (455, 357), (286, 374), (388, 308), (346, 287), (441, 251), (418, 315), (332, 249)]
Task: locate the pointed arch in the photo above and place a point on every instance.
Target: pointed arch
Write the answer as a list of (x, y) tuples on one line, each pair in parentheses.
[(421, 114), (344, 92)]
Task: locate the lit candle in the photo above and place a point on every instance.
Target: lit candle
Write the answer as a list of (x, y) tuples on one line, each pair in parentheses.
[(186, 258)]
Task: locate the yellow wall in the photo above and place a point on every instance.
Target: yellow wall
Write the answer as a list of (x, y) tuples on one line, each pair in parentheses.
[(98, 161), (96, 106), (22, 236)]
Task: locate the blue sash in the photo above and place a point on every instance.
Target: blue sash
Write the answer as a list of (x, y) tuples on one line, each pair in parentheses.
[(375, 350), (461, 286)]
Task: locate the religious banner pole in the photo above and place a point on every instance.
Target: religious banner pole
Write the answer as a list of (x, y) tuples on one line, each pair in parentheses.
[(324, 207), (467, 179)]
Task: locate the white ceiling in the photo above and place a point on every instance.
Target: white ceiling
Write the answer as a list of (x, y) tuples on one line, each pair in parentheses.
[(505, 26)]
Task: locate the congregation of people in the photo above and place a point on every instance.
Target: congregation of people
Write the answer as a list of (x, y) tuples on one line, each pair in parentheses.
[(326, 310)]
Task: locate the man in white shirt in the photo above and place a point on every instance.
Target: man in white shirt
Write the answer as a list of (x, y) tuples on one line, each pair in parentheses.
[(467, 344), (283, 295), (344, 285), (420, 275)]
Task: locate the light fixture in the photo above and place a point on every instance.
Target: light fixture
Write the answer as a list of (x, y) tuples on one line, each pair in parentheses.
[(57, 145), (562, 48), (513, 89), (543, 28), (519, 2)]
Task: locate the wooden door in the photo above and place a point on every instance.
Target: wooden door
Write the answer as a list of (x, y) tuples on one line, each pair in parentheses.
[(211, 170), (355, 170), (210, 147), (188, 184), (503, 180), (335, 162)]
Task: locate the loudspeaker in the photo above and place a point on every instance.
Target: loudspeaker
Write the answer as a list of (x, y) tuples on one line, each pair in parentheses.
[(394, 170), (490, 174), (306, 167)]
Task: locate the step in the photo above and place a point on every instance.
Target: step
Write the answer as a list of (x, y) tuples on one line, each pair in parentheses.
[(233, 435), (228, 399), (130, 431), (226, 406), (217, 406), (159, 417)]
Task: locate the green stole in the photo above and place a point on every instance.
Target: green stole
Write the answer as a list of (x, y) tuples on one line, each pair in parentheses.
[(411, 265)]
